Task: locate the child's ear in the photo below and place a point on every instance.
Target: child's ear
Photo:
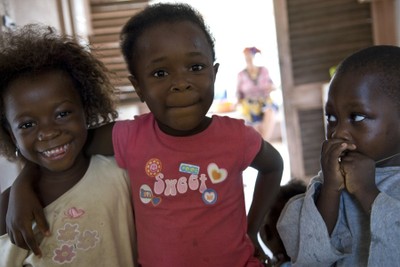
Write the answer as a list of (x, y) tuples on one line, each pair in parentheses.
[(136, 86), (216, 67), (10, 133), (7, 127)]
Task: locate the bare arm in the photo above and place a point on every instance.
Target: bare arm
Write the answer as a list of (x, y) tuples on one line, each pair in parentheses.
[(24, 207), (327, 203), (3, 210), (269, 164), (100, 140)]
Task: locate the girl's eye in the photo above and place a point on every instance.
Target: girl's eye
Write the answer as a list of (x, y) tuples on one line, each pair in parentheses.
[(197, 67), (357, 117), (27, 125), (160, 73), (63, 114)]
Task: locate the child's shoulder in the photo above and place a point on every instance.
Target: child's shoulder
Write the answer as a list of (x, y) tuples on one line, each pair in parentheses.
[(106, 166), (227, 119), (136, 119), (100, 161), (229, 123)]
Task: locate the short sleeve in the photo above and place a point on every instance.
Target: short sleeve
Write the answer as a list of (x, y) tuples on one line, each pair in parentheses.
[(120, 136)]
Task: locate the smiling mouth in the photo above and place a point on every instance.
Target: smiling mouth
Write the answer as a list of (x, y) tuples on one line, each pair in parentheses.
[(55, 152)]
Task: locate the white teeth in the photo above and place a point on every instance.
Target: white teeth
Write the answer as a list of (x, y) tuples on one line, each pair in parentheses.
[(55, 151)]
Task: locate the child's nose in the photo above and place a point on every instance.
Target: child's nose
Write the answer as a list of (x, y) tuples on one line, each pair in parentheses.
[(341, 132), (179, 88), (48, 133), (180, 83)]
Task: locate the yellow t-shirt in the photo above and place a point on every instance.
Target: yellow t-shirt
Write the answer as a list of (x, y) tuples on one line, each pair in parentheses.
[(91, 224)]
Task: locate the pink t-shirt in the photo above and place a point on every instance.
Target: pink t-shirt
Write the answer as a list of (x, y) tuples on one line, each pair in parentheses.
[(188, 191)]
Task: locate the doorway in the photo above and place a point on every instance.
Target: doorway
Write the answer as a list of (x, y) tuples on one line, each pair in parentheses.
[(244, 24)]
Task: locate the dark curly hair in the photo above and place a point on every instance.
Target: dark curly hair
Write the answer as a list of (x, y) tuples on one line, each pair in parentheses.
[(33, 49), (154, 15)]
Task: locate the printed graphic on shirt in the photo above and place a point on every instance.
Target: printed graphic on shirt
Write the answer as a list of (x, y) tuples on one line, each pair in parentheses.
[(71, 238), (209, 196), (192, 179), (216, 174), (153, 167)]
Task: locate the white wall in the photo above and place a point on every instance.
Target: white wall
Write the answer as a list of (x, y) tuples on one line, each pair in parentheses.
[(33, 11), (67, 16)]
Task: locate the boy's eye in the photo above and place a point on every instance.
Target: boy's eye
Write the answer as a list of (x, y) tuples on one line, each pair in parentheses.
[(160, 73), (196, 67), (26, 125), (63, 114), (357, 117), (330, 118)]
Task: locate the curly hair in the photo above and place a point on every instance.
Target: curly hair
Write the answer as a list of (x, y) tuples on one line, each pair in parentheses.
[(35, 48), (154, 15)]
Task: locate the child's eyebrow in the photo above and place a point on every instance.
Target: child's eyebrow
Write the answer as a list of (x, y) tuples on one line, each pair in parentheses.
[(162, 59), (27, 113), (351, 105), (155, 61), (355, 104), (196, 53)]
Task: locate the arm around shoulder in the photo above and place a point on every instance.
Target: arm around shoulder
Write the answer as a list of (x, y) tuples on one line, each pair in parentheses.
[(24, 207), (100, 140), (3, 210)]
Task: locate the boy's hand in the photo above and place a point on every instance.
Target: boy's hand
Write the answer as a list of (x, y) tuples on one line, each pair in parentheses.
[(359, 172), (333, 151), (332, 154), (359, 176)]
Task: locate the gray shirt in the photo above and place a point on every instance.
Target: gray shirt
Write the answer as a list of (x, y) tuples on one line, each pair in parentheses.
[(357, 239)]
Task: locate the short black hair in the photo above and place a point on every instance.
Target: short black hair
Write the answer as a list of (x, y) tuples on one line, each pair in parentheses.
[(155, 15), (382, 60), (269, 231), (36, 48), (292, 188)]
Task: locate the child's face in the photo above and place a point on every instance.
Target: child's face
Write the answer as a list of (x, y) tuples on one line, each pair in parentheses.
[(359, 113), (175, 76), (47, 120)]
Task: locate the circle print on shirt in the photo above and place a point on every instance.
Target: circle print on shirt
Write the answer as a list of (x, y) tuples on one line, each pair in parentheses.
[(209, 196), (153, 167)]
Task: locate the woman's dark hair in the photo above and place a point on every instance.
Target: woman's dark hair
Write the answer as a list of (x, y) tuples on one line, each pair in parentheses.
[(34, 49)]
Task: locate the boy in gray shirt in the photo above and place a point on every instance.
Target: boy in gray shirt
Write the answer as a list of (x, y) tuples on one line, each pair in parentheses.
[(349, 215)]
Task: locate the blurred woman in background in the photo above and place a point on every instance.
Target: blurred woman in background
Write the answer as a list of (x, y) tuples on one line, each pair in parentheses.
[(253, 91)]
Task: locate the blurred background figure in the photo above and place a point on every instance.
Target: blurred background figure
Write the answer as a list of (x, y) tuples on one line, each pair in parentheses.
[(254, 86)]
